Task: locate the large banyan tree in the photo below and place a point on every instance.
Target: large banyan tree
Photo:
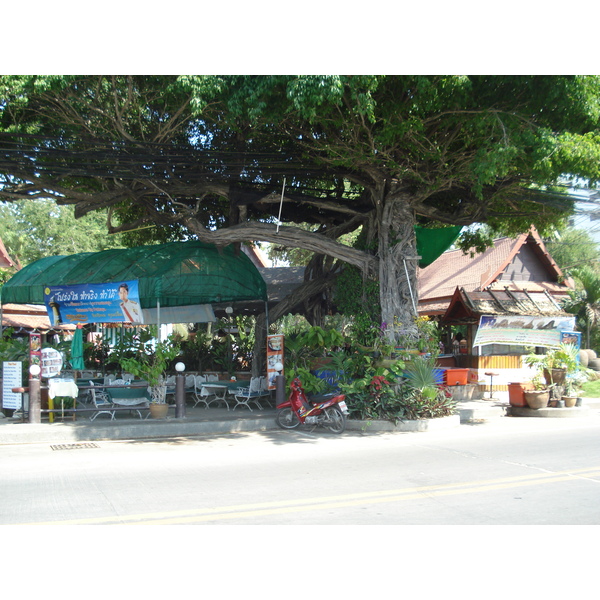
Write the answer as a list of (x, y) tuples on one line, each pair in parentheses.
[(246, 158)]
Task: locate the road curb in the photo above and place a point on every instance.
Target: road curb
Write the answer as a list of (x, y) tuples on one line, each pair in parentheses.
[(554, 413), (407, 426), (28, 433)]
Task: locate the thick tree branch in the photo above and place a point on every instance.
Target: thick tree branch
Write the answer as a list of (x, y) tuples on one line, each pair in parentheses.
[(287, 236)]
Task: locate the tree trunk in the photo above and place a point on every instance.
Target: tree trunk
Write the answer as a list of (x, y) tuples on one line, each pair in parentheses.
[(398, 262), (259, 355)]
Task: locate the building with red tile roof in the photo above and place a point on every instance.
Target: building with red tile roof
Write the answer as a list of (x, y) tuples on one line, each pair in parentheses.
[(519, 264)]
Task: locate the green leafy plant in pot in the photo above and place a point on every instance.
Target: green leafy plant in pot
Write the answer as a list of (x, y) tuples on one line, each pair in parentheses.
[(150, 361), (556, 364), (321, 343)]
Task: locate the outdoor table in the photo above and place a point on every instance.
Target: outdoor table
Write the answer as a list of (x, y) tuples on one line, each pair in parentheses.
[(61, 388), (86, 380), (233, 386)]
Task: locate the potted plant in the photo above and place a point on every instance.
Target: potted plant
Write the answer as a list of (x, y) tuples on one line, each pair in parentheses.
[(572, 387), (149, 363), (422, 378), (539, 396), (556, 364), (322, 342)]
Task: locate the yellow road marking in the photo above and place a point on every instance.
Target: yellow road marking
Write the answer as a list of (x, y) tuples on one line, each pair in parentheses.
[(329, 502)]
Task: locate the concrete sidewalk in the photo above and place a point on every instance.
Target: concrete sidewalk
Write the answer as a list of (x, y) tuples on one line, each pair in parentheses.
[(219, 421)]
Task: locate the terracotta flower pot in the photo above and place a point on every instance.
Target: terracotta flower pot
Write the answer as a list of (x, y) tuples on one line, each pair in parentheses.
[(516, 393), (537, 398), (558, 376), (569, 401), (158, 411)]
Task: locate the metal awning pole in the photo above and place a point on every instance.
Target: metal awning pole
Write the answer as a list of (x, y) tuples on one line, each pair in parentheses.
[(267, 316), (158, 318), (410, 289)]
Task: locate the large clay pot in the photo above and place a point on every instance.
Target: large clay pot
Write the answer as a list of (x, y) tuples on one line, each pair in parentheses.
[(158, 411), (537, 398), (594, 364), (558, 376)]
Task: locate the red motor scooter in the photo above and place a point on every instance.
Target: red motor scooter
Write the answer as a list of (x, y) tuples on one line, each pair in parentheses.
[(326, 410)]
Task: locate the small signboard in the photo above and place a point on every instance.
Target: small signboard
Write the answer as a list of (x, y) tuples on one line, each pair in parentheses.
[(52, 362), (35, 348), (12, 377), (274, 356), (571, 337), (94, 303)]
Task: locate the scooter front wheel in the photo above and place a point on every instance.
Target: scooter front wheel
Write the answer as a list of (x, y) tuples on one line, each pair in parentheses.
[(335, 419), (287, 418)]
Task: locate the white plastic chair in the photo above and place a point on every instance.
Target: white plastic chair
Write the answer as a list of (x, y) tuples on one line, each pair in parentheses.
[(101, 402), (199, 381), (190, 383), (244, 396), (170, 383)]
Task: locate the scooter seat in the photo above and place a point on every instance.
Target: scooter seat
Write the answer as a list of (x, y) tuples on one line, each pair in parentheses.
[(318, 398)]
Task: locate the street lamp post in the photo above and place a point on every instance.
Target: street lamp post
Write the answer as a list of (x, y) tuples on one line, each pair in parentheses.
[(180, 391), (35, 404), (279, 385)]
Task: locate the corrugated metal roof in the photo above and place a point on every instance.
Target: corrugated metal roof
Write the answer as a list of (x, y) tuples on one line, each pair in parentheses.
[(30, 317)]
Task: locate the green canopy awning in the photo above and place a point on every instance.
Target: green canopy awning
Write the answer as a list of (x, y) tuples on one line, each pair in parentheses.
[(169, 275)]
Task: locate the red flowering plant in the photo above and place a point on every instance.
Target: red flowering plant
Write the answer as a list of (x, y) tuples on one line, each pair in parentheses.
[(374, 395), (398, 393)]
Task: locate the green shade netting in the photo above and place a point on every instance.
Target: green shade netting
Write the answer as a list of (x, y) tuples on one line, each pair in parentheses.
[(432, 243), (174, 274)]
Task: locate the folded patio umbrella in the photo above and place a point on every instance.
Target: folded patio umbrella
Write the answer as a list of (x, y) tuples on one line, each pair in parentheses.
[(77, 350)]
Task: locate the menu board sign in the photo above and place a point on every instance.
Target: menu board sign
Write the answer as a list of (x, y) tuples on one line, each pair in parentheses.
[(12, 377)]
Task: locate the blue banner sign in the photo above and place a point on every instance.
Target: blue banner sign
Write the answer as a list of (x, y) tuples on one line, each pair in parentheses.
[(94, 303)]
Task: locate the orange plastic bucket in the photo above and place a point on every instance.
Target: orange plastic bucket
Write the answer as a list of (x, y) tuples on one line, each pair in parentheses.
[(456, 376)]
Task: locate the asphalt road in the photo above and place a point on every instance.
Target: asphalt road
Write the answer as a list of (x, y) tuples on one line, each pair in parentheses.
[(59, 505), (505, 472)]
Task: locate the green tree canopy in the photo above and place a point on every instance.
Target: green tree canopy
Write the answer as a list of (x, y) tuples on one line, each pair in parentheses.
[(208, 155), (37, 228)]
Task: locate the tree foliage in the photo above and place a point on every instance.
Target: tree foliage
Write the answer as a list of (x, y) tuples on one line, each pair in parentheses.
[(37, 228), (208, 156), (572, 249)]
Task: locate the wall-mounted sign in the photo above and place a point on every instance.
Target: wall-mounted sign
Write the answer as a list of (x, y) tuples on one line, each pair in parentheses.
[(94, 303), (522, 330)]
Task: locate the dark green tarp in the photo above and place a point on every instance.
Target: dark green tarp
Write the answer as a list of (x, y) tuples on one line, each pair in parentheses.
[(432, 243), (77, 361), (174, 274)]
